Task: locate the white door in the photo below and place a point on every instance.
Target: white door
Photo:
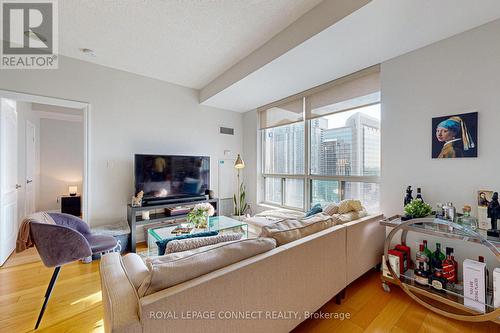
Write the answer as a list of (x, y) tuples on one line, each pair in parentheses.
[(30, 169), (8, 178)]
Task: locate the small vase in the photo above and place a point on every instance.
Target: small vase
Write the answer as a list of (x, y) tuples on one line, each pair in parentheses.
[(203, 223)]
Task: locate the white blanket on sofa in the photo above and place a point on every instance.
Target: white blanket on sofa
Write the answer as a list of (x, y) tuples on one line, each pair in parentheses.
[(268, 217)]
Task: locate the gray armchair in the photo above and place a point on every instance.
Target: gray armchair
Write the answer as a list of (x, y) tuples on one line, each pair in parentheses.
[(68, 240)]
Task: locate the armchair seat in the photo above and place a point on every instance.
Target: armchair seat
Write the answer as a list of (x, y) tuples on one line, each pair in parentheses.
[(100, 243)]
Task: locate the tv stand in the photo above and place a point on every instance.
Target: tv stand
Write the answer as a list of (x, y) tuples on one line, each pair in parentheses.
[(158, 215)]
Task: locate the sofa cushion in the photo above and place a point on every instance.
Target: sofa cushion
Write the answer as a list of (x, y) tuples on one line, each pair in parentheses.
[(179, 245), (135, 268), (172, 269), (289, 230)]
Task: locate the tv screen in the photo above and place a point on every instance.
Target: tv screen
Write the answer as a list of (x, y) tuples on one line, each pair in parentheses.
[(168, 176)]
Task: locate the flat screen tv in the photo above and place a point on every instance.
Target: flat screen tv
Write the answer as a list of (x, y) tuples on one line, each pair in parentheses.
[(173, 177)]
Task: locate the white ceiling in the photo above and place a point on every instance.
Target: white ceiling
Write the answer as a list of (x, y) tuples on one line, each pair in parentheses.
[(187, 42), (381, 30)]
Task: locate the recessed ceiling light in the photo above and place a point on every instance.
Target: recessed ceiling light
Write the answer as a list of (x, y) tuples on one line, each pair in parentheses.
[(88, 52)]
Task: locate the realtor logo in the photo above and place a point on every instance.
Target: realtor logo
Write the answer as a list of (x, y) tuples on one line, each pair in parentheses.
[(29, 34)]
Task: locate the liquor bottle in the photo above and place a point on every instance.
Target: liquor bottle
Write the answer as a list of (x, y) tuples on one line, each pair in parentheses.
[(455, 264), (421, 274), (408, 198), (449, 267), (428, 253), (440, 211), (422, 258), (437, 280), (450, 212), (419, 194), (481, 259), (437, 258), (406, 249), (467, 220)]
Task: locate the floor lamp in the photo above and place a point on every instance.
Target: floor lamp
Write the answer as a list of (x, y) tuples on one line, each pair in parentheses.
[(239, 164)]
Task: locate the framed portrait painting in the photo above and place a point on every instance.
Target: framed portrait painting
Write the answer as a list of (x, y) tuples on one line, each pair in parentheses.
[(454, 136)]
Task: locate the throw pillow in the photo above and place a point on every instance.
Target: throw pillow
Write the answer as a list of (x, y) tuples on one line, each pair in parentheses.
[(162, 245), (180, 245), (349, 205), (314, 210), (331, 208)]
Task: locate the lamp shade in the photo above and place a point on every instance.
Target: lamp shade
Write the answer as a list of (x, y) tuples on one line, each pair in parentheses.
[(73, 189), (239, 163)]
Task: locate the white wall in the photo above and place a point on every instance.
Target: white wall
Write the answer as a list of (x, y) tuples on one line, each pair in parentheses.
[(457, 75), (24, 114), (130, 114), (61, 160), (251, 155)]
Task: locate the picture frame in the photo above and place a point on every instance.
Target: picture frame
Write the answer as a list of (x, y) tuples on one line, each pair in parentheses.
[(455, 136)]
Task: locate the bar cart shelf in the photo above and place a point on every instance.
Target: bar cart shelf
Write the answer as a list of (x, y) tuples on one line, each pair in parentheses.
[(449, 302)]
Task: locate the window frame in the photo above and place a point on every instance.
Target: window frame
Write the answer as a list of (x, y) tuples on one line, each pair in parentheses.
[(307, 177)]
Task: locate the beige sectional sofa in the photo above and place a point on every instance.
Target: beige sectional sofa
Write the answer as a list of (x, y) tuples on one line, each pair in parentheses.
[(269, 292)]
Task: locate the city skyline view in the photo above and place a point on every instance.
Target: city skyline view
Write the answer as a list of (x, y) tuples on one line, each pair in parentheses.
[(342, 144)]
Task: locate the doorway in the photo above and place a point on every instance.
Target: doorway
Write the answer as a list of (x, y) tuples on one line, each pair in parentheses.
[(44, 153)]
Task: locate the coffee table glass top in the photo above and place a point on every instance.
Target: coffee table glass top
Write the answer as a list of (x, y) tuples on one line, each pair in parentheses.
[(216, 223)]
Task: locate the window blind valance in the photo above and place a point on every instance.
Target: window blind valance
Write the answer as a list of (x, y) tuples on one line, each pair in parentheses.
[(288, 113), (350, 92)]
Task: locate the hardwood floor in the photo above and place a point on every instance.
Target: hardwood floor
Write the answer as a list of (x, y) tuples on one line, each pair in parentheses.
[(75, 305)]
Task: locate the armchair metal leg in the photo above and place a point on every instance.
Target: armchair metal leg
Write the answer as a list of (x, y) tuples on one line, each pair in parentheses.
[(47, 294)]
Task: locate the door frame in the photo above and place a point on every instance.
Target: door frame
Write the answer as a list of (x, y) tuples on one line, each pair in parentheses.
[(86, 109), (25, 184)]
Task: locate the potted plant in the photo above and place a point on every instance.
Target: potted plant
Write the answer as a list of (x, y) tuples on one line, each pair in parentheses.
[(200, 214), (240, 205), (417, 209)]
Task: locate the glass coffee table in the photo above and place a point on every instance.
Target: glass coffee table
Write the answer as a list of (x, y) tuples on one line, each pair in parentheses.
[(222, 224)]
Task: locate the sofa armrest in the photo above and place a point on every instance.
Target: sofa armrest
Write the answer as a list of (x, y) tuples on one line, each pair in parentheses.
[(364, 245), (119, 297)]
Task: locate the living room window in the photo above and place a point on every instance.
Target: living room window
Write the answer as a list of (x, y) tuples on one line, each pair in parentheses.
[(323, 145)]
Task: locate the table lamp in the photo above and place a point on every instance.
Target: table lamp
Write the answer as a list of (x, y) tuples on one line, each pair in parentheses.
[(73, 190)]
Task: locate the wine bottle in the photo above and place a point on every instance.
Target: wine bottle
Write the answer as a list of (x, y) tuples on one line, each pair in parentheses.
[(428, 253), (437, 258), (449, 267), (419, 194), (455, 264), (422, 258)]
